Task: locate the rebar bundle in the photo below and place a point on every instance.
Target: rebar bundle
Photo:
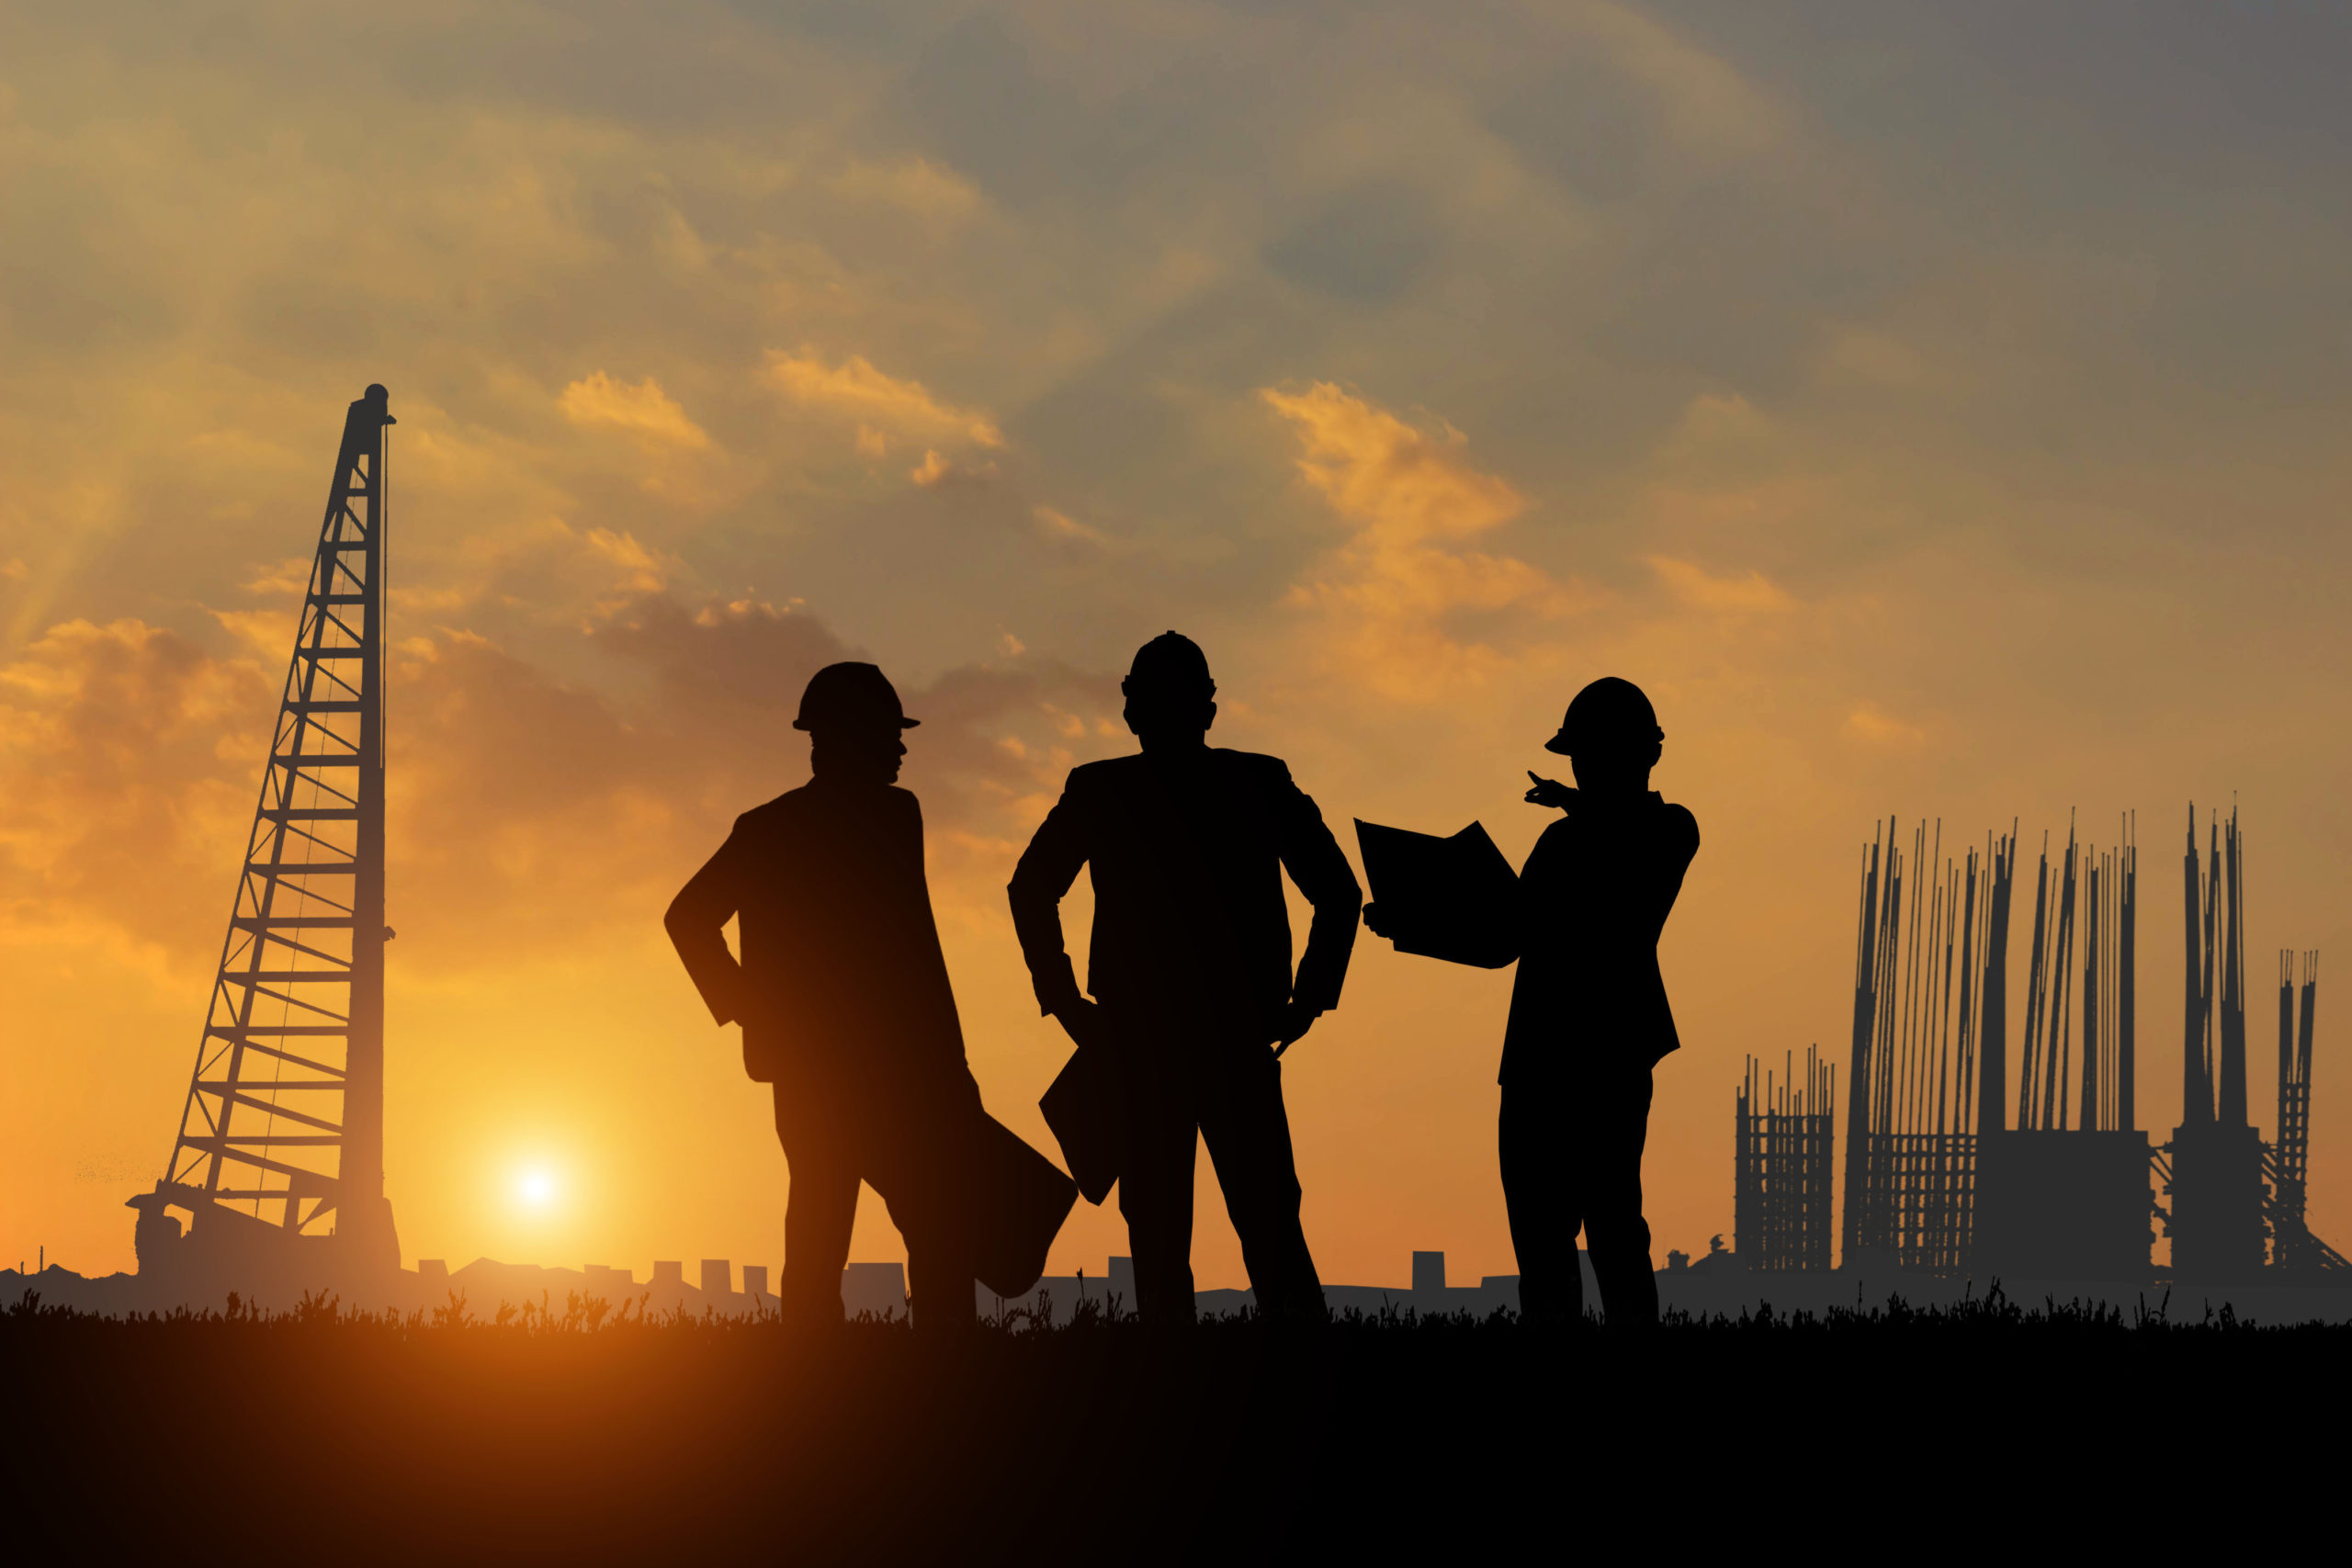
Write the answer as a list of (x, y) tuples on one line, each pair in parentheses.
[(1926, 984), (2292, 1244), (2094, 893), (2216, 1163)]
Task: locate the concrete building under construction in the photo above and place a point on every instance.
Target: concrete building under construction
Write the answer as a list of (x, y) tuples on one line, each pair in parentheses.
[(1940, 1180)]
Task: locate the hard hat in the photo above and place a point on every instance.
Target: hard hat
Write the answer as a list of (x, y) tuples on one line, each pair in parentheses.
[(1608, 713), (851, 696), (1170, 663)]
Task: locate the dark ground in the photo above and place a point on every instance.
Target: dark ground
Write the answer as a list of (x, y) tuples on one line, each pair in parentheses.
[(313, 1437)]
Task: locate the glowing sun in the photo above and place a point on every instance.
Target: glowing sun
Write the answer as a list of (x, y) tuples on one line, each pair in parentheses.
[(535, 1188)]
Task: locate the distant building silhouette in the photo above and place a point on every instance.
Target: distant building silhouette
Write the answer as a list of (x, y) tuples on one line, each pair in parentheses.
[(877, 1288)]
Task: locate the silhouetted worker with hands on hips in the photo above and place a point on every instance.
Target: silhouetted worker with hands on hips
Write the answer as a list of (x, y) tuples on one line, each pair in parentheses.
[(843, 996), (1189, 971), (1588, 1013)]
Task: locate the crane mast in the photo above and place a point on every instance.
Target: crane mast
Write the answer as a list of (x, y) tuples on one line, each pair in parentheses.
[(279, 1159)]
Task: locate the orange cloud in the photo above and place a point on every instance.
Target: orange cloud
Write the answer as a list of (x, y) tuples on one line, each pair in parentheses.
[(912, 184), (935, 469), (1063, 528), (266, 632), (1396, 596), (545, 570), (1691, 583), (1870, 724), (1385, 477), (880, 403), (282, 581), (127, 758), (644, 409)]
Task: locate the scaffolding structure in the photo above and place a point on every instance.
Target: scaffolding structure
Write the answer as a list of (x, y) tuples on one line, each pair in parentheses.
[(279, 1153), (1787, 1135)]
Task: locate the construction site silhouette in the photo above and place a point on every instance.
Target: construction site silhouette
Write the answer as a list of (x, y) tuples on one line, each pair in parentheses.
[(1991, 1153), (275, 1185)]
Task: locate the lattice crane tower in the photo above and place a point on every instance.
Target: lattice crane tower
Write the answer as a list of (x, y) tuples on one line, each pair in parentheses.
[(279, 1159)]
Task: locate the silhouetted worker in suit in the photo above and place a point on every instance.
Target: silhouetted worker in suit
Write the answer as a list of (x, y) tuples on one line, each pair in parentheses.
[(1190, 968), (843, 997), (1588, 1013)]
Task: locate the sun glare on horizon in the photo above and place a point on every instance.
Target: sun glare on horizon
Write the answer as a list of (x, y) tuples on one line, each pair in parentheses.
[(536, 1188)]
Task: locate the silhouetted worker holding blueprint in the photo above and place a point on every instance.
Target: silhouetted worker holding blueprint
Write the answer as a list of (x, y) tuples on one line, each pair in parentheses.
[(1190, 969), (843, 996), (1588, 1013)]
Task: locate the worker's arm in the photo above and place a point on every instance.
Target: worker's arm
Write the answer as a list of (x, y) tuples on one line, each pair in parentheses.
[(1678, 846), (1047, 868), (1329, 883), (697, 922)]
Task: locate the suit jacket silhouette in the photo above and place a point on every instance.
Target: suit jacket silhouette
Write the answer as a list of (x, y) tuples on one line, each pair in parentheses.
[(842, 985), (1187, 855), (1593, 899)]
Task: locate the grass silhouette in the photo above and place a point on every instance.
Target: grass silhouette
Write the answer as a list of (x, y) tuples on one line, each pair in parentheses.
[(605, 1431)]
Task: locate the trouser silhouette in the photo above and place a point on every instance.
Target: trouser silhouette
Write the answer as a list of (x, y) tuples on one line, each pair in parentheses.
[(1184, 1086), (827, 1153), (1571, 1160)]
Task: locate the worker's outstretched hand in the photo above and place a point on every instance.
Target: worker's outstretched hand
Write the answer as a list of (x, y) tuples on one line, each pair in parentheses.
[(1551, 792)]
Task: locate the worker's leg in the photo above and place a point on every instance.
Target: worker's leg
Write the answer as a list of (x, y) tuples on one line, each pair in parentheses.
[(1541, 1197), (1156, 1178), (820, 1212), (1239, 1099), (1613, 1128)]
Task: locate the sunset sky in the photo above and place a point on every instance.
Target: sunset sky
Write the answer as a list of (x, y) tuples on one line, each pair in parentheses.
[(1939, 409)]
